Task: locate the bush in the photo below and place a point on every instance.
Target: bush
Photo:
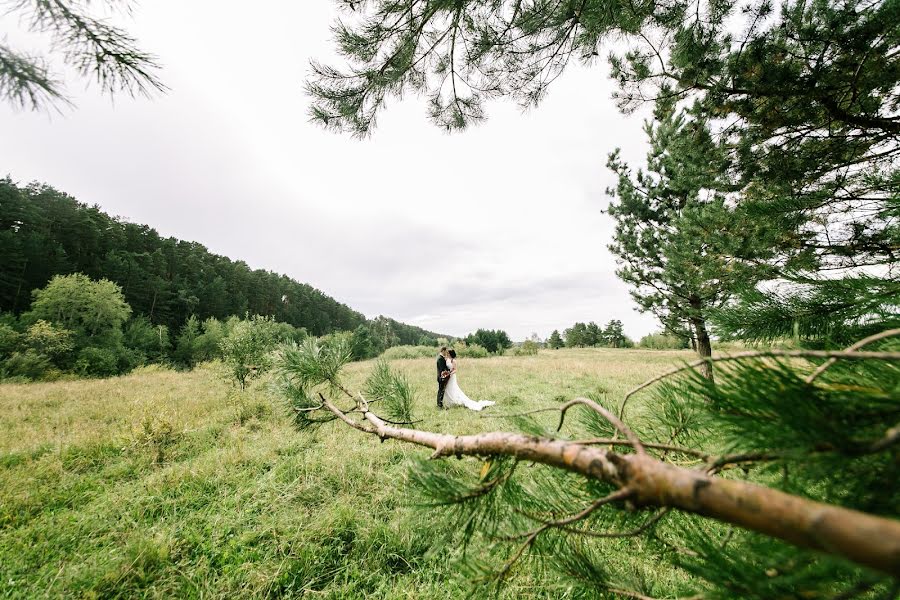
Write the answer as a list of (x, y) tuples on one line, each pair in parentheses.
[(9, 340), (662, 341), (246, 348), (472, 351), (526, 348), (401, 352), (97, 362), (28, 365)]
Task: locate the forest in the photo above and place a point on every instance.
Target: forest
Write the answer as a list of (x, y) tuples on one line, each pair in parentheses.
[(173, 292)]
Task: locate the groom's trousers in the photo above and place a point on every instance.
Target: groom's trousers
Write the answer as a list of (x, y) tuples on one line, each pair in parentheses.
[(442, 385)]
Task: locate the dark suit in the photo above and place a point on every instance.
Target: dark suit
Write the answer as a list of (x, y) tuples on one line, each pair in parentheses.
[(442, 382)]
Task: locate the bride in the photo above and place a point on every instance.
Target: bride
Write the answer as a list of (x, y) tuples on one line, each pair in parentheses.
[(454, 396)]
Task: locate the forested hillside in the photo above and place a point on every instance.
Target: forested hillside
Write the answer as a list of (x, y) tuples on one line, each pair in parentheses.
[(45, 232)]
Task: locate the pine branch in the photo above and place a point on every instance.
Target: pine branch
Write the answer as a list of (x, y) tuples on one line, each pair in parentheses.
[(838, 354), (862, 538)]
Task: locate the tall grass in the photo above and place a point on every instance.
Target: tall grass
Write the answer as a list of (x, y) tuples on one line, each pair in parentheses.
[(164, 484)]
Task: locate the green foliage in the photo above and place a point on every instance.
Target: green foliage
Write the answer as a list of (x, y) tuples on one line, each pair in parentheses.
[(662, 341), (555, 340), (50, 341), (150, 342), (207, 345), (526, 348), (614, 335), (28, 365), (247, 347), (472, 351), (393, 390), (94, 361), (407, 352), (97, 50), (90, 309), (186, 344), (363, 344), (495, 341)]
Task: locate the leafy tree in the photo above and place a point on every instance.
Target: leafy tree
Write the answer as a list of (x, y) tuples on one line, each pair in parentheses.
[(150, 342), (247, 347), (89, 309), (663, 341), (527, 348), (90, 45), (614, 334), (593, 335), (576, 336), (495, 341), (186, 345), (207, 345), (363, 345), (48, 340), (555, 341)]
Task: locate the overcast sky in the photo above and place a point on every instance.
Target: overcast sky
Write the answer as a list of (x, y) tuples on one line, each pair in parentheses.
[(499, 226)]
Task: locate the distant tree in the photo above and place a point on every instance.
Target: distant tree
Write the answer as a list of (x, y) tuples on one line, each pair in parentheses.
[(555, 341), (186, 351), (207, 345), (149, 341), (576, 336), (593, 335), (495, 341), (89, 309), (528, 348), (663, 341), (247, 347), (362, 344), (614, 334), (95, 49)]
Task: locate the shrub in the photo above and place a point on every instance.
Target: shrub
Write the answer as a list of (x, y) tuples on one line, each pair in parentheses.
[(526, 348), (401, 352), (246, 348), (9, 340), (97, 362), (662, 341), (28, 365), (472, 351)]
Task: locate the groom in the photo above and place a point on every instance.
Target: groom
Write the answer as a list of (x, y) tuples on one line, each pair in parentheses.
[(443, 376)]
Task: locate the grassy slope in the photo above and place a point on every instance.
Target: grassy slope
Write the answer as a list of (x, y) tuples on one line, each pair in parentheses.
[(161, 483)]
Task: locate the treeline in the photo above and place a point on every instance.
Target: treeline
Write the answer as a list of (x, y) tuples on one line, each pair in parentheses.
[(585, 335), (165, 282), (44, 232), (78, 326)]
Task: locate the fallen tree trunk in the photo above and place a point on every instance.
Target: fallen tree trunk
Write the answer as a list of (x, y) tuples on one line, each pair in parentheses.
[(862, 538)]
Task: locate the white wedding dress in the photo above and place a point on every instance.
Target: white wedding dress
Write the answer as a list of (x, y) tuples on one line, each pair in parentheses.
[(454, 396)]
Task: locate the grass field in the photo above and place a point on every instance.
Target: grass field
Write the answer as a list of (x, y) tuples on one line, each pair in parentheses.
[(162, 484)]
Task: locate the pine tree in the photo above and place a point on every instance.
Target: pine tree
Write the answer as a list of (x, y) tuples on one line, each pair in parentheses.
[(555, 341), (669, 228)]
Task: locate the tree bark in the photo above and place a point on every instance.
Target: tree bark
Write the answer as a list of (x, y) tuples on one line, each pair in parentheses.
[(704, 344), (865, 539)]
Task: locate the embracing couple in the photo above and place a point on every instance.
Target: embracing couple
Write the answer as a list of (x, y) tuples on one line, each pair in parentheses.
[(449, 393)]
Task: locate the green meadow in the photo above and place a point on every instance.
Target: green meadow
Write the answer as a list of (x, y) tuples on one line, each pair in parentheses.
[(162, 483)]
